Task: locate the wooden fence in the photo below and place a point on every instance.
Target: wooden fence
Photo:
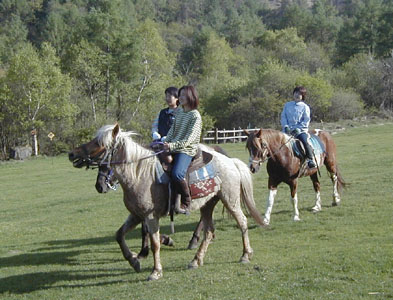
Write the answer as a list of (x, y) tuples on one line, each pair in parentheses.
[(217, 136)]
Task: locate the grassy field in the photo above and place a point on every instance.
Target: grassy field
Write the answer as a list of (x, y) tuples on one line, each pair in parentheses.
[(57, 236)]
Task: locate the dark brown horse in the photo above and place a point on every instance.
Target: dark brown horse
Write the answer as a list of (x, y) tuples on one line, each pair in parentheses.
[(282, 165)]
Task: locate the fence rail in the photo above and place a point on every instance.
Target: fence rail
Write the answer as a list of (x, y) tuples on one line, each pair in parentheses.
[(223, 136)]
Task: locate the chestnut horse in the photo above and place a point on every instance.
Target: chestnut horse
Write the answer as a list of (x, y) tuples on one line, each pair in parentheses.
[(282, 165), (147, 200)]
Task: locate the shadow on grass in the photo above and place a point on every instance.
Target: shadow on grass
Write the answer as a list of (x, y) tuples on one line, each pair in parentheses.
[(30, 282)]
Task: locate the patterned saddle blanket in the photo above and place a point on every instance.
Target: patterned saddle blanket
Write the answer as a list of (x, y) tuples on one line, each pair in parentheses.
[(202, 181), (315, 142)]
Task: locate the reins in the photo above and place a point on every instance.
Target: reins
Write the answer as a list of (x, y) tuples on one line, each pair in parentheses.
[(109, 153)]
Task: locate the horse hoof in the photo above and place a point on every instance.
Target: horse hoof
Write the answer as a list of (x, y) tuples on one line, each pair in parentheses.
[(155, 275), (136, 265), (296, 218), (266, 222), (170, 243), (316, 209), (244, 259), (192, 245), (193, 265)]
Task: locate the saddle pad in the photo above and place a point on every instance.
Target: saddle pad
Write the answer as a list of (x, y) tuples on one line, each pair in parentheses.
[(204, 188), (206, 172), (316, 145)]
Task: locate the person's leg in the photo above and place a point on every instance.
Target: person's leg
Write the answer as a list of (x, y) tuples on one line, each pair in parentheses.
[(179, 171), (303, 137)]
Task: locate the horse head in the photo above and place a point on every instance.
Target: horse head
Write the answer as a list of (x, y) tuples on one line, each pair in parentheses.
[(93, 152), (258, 149)]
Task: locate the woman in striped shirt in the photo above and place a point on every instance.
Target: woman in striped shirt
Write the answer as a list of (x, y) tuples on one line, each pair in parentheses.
[(182, 141)]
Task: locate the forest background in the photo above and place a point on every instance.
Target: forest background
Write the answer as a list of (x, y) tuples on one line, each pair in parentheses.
[(69, 67)]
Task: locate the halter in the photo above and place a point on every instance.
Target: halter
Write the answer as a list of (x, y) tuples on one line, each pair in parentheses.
[(268, 156), (110, 152), (108, 178)]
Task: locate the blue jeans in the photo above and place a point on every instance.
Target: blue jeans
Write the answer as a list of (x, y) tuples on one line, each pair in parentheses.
[(180, 166), (303, 137)]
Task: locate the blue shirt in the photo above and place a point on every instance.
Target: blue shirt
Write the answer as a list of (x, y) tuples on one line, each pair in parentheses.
[(295, 115)]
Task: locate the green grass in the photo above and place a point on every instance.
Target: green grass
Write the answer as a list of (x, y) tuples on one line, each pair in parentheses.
[(57, 236)]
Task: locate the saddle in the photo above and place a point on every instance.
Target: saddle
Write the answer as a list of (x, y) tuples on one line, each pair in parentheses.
[(315, 143), (201, 175)]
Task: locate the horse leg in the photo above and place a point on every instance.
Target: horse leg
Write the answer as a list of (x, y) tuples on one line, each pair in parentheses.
[(197, 232), (317, 186), (145, 242), (241, 220), (269, 203), (131, 257), (293, 187), (153, 227), (208, 228), (331, 166), (336, 195), (193, 243)]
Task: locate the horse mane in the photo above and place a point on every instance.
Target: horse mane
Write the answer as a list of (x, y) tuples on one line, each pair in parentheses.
[(133, 155)]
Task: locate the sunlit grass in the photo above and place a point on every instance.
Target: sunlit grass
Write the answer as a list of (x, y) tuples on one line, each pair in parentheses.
[(57, 236)]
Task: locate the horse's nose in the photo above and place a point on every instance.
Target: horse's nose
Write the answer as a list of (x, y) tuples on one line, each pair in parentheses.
[(252, 169)]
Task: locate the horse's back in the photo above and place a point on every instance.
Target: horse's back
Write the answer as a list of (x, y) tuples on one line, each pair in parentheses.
[(327, 139)]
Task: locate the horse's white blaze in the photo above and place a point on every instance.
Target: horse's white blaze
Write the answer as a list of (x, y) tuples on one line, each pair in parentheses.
[(295, 208), (317, 207), (269, 206)]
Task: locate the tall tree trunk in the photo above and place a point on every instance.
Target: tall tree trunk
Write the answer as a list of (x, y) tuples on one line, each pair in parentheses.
[(34, 142)]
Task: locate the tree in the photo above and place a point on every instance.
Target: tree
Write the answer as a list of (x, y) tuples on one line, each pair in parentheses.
[(37, 89)]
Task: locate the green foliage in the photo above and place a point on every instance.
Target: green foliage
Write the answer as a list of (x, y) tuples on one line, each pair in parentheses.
[(319, 94), (37, 89), (244, 57)]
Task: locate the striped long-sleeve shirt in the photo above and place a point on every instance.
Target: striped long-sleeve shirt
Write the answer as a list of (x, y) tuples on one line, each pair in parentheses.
[(185, 133)]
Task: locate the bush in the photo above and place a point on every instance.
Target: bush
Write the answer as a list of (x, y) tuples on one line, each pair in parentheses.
[(345, 105)]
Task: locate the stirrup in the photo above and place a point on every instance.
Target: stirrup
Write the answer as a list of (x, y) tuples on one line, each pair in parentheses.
[(311, 164), (178, 209)]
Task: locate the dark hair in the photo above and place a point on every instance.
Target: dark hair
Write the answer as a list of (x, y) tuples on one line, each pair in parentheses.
[(172, 91), (192, 96), (301, 90)]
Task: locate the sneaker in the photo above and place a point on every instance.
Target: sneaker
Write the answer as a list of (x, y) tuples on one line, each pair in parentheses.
[(311, 164)]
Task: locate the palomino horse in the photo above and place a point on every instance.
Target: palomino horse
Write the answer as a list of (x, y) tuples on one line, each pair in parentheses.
[(283, 166), (147, 200)]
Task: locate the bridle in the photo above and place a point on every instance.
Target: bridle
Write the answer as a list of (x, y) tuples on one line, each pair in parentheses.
[(261, 151), (265, 152), (104, 156)]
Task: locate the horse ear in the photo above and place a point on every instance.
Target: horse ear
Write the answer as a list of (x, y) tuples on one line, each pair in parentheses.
[(246, 132), (115, 130), (259, 133)]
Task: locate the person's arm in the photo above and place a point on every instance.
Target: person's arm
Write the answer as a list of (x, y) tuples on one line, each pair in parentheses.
[(194, 130), (154, 129), (284, 120)]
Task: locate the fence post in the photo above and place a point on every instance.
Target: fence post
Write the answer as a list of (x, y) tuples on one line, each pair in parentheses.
[(216, 135)]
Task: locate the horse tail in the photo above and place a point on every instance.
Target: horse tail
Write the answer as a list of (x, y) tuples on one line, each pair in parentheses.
[(247, 195)]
